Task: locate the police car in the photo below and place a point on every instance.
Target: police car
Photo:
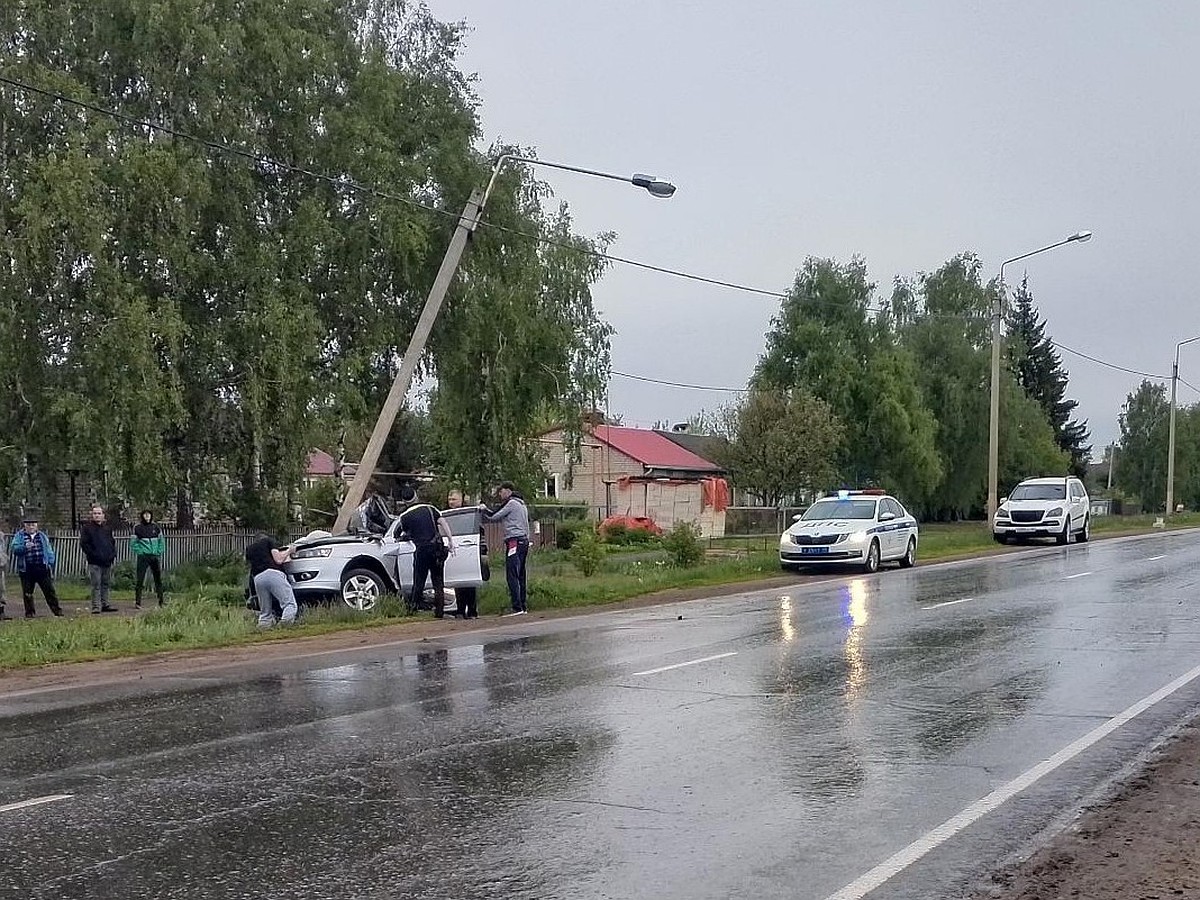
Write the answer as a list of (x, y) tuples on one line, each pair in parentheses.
[(862, 528)]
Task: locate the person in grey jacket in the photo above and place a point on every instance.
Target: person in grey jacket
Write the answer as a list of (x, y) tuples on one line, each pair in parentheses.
[(515, 515)]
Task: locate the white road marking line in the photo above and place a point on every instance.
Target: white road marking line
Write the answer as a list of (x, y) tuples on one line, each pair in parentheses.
[(950, 603), (694, 662), (897, 863), (1156, 558), (1078, 575), (36, 801)]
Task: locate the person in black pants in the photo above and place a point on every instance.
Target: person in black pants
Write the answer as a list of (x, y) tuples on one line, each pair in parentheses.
[(432, 543), (35, 564), (148, 546)]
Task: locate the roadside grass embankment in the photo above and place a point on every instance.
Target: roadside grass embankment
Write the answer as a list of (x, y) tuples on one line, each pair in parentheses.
[(205, 606)]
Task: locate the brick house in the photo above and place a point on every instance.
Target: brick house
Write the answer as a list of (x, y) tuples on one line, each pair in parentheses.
[(638, 472)]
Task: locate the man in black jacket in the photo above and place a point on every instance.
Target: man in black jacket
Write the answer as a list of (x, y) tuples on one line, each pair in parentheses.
[(100, 548), (432, 543)]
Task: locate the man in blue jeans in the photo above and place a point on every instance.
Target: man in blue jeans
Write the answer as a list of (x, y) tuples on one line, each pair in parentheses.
[(515, 516)]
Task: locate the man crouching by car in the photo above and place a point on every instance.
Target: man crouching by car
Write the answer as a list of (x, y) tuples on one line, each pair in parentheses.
[(270, 583)]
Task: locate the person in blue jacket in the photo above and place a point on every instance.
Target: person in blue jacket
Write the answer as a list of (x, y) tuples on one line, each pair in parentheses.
[(34, 559)]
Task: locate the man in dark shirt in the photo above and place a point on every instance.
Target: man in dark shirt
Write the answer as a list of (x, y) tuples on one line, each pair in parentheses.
[(426, 528), (100, 547)]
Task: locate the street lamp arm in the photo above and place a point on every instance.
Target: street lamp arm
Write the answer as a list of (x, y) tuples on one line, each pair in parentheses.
[(1079, 236), (1183, 344), (651, 184), (1033, 253)]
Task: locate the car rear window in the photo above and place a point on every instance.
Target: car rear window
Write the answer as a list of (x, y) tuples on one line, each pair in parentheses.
[(1039, 492)]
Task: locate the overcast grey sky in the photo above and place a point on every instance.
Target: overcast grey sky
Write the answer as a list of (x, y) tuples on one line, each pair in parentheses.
[(904, 133)]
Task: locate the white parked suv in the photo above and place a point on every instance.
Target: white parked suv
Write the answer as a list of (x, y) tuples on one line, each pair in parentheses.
[(1044, 507)]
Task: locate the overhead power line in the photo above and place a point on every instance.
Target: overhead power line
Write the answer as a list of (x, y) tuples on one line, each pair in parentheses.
[(742, 390), (680, 384), (1188, 384), (1107, 364), (351, 184)]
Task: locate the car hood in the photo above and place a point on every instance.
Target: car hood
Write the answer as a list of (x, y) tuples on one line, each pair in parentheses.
[(829, 526), (331, 540), (1033, 504)]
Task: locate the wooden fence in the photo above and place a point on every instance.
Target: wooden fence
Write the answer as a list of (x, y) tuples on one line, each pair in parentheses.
[(186, 546), (182, 547)]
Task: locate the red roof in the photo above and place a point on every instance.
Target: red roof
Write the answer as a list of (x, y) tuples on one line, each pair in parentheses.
[(653, 450), (320, 463)]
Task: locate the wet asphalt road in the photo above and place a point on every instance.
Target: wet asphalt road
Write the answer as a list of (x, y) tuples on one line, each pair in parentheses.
[(809, 736)]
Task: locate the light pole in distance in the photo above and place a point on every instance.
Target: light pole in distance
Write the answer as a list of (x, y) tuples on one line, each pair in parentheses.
[(1171, 430), (994, 417)]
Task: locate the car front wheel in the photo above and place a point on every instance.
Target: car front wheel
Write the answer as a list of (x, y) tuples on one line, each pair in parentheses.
[(909, 559), (872, 564), (362, 589), (1086, 534), (1064, 537)]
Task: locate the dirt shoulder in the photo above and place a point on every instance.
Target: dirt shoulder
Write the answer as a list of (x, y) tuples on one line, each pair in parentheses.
[(1143, 844), (190, 662)]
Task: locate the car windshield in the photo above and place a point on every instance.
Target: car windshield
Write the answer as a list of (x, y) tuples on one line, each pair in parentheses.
[(1039, 492), (840, 509)]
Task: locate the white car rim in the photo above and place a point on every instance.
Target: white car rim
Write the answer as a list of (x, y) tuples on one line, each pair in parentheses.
[(910, 555), (360, 592)]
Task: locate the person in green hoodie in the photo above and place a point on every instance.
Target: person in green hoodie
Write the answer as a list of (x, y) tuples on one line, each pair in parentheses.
[(148, 547)]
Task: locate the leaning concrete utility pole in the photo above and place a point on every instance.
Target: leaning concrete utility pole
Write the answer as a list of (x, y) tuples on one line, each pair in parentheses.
[(467, 223), (408, 363)]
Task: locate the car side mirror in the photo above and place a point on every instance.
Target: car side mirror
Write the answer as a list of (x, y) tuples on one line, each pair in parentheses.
[(797, 517), (1003, 499), (886, 517)]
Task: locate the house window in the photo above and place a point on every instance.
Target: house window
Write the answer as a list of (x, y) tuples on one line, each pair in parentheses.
[(552, 486)]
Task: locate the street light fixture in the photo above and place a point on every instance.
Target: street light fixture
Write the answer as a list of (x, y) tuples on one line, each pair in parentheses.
[(994, 417), (1171, 431), (467, 223)]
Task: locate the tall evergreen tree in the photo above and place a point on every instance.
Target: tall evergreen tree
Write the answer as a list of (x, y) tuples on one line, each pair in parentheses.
[(1038, 368)]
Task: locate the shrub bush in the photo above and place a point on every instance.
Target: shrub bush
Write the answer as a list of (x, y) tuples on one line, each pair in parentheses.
[(616, 533), (683, 544), (568, 530), (586, 553)]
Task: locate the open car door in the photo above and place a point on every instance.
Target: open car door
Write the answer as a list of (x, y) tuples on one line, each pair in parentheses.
[(468, 566)]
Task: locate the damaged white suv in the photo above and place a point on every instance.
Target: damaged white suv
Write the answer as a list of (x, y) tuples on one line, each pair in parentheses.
[(1044, 507), (361, 568)]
